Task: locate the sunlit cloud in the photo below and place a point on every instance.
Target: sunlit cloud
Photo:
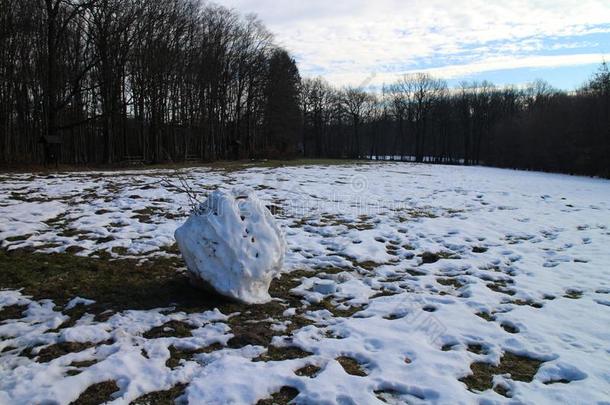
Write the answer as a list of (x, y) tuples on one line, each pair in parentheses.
[(347, 40)]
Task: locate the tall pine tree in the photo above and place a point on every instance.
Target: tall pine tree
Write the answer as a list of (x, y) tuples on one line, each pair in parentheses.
[(282, 124)]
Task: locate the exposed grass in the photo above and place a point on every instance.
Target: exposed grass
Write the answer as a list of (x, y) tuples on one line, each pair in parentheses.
[(274, 353), (418, 213), (284, 396), (486, 315), (114, 285), (573, 294), (80, 365), (529, 303), (118, 285), (337, 312), (60, 349), (416, 273), (252, 327), (19, 238), (309, 370), (170, 329), (520, 368), (433, 257), (97, 394), (177, 355), (220, 165), (388, 396), (385, 293), (477, 348), (366, 265), (501, 287), (161, 397), (12, 312), (351, 366), (509, 328), (453, 282)]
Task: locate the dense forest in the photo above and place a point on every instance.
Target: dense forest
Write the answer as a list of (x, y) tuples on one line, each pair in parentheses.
[(105, 81), (147, 81), (419, 118)]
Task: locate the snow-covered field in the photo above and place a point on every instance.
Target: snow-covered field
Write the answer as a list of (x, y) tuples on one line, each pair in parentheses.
[(440, 272)]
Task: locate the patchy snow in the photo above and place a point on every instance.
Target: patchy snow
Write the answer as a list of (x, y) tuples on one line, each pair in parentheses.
[(425, 263), (233, 244)]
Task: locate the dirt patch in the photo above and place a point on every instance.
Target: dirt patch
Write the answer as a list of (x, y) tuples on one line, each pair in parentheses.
[(573, 294), (284, 396), (12, 312), (310, 371), (509, 328), (115, 285), (385, 293), (502, 390), (477, 348), (501, 287), (415, 213), (283, 353), (73, 249), (430, 257), (145, 214), (177, 355), (170, 329), (416, 273), (161, 397), (58, 350), (171, 249), (80, 365), (326, 304), (351, 366), (395, 316), (450, 282), (252, 325), (391, 396), (520, 368), (257, 333), (529, 303), (486, 315), (124, 284), (97, 394), (72, 232), (19, 238), (366, 265), (560, 381)]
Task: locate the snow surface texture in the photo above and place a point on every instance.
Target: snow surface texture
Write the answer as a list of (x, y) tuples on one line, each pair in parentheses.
[(232, 243), (522, 265)]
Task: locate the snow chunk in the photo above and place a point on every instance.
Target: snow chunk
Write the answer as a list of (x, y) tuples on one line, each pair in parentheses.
[(232, 244), (79, 301), (325, 287)]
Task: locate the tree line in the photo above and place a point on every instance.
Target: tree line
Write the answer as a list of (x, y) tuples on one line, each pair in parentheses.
[(419, 118), (115, 81), (104, 81)]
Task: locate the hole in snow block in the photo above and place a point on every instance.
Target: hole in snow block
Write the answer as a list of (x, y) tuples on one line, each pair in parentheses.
[(219, 257)]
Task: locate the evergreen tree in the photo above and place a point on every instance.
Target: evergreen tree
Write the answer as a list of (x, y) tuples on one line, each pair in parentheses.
[(282, 124)]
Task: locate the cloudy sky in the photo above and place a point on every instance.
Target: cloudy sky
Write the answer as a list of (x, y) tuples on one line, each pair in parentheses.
[(505, 41)]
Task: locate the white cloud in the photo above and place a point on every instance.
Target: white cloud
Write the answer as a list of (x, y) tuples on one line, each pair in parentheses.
[(505, 63), (349, 39)]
